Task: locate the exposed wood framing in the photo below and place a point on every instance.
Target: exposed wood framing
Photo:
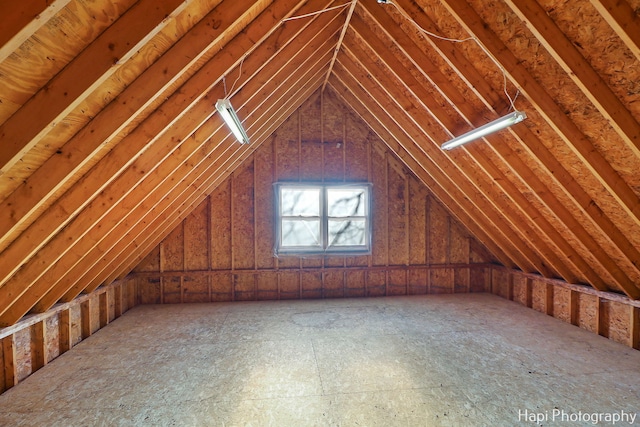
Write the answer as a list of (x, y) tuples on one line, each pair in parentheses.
[(610, 315), (425, 168), (338, 276), (38, 346), (624, 21), (110, 142), (339, 44), (634, 322), (550, 163), (206, 182), (9, 362), (64, 333), (58, 330), (483, 164), (548, 108), (148, 161), (84, 74), (577, 67), (574, 308), (21, 20)]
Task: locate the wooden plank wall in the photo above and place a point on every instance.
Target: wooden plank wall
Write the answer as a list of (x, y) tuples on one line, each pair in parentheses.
[(611, 315), (224, 250), (38, 339)]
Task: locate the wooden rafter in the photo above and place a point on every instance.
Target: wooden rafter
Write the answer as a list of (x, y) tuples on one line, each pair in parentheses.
[(548, 108), (83, 75), (179, 131), (624, 21), (518, 167), (478, 194), (33, 194), (582, 201), (482, 163), (222, 165), (580, 71), (20, 20), (208, 181), (158, 221), (394, 137), (122, 157), (388, 111), (269, 120), (339, 44), (286, 76), (125, 154), (138, 147)]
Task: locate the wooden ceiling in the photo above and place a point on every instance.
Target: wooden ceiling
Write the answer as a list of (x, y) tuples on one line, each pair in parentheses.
[(109, 135)]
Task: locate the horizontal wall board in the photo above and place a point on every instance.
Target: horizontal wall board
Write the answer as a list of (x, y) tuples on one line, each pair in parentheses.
[(410, 228), (39, 338), (611, 315)]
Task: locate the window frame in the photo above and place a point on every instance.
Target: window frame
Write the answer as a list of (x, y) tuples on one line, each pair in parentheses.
[(323, 248)]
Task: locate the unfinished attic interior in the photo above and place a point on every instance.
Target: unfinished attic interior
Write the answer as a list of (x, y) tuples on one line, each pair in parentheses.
[(135, 227)]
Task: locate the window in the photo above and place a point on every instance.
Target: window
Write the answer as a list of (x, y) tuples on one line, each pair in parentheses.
[(323, 218)]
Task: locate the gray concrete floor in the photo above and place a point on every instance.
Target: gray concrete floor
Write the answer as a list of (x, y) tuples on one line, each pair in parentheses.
[(451, 360)]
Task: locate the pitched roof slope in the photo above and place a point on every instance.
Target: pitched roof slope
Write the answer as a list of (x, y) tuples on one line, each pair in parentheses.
[(109, 136)]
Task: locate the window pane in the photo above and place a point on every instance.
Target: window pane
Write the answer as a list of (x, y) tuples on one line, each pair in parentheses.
[(300, 232), (346, 202), (347, 232), (300, 201)]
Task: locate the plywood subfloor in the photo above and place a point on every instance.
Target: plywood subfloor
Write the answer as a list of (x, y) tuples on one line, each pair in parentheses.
[(453, 360)]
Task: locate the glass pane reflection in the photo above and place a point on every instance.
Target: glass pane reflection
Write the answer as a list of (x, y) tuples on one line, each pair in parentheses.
[(346, 202), (346, 232), (300, 232), (300, 201)]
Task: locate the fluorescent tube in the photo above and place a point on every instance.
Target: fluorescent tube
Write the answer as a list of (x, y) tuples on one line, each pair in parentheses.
[(231, 119), (494, 126)]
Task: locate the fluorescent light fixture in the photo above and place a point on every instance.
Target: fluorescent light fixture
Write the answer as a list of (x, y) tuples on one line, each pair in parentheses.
[(494, 126), (231, 119)]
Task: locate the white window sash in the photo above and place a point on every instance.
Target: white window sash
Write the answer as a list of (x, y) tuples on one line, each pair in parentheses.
[(325, 247)]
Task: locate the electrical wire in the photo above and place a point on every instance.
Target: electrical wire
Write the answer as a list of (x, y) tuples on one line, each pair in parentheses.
[(473, 38), (423, 30), (344, 6), (239, 74)]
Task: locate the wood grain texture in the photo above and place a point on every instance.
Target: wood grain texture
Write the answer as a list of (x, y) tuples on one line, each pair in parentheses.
[(35, 341), (610, 315), (117, 157), (401, 207)]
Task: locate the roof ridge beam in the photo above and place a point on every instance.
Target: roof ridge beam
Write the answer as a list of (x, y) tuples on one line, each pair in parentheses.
[(339, 44)]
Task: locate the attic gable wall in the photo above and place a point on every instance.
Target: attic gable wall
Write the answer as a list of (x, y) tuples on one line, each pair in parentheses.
[(224, 249), (109, 136)]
